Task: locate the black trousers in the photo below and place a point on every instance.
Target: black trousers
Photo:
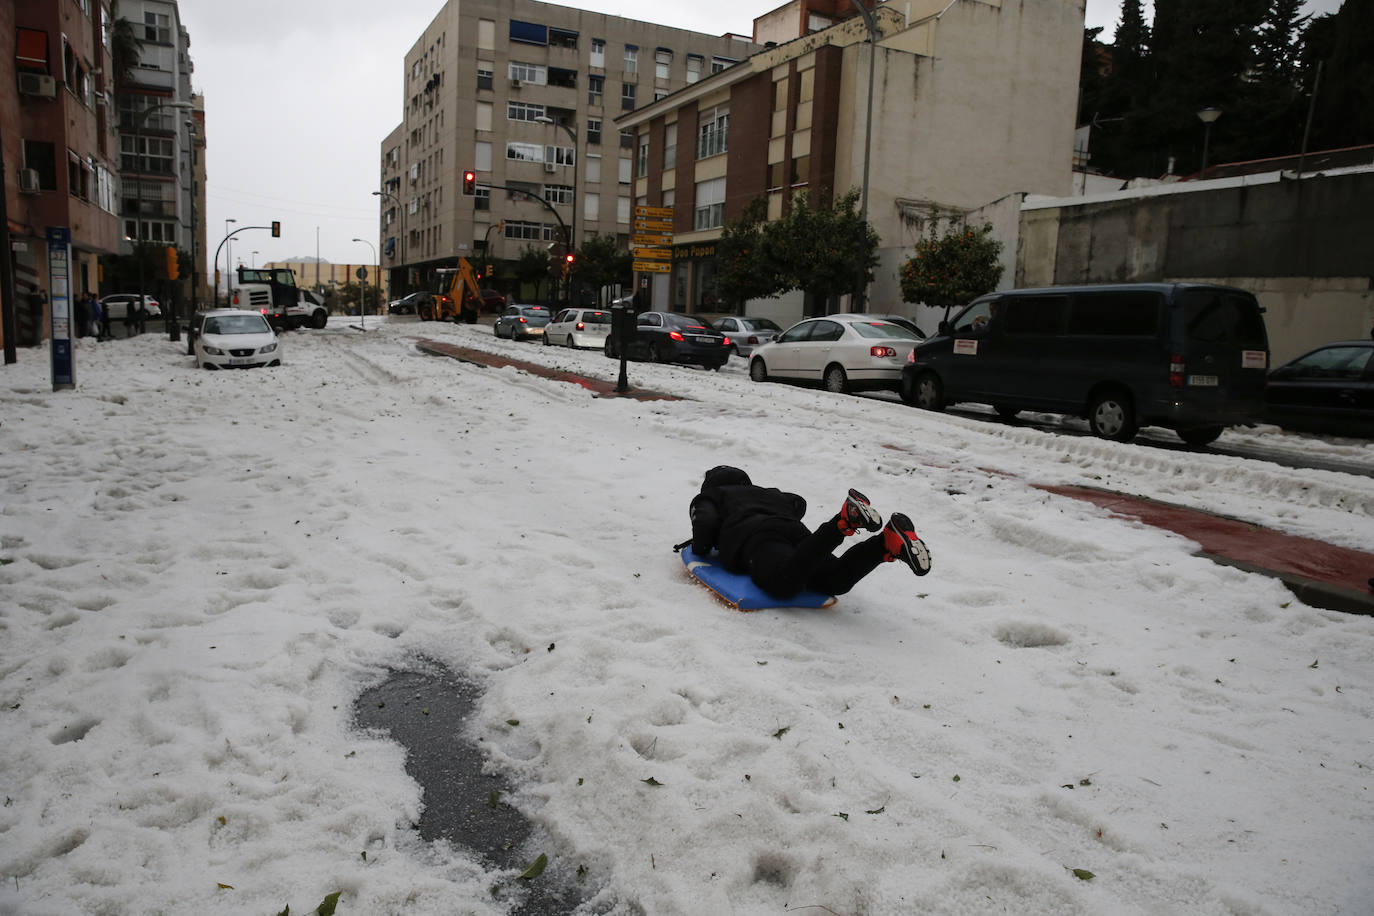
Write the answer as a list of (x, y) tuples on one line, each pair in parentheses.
[(783, 568)]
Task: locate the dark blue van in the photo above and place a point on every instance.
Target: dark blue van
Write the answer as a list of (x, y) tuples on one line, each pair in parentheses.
[(1190, 357)]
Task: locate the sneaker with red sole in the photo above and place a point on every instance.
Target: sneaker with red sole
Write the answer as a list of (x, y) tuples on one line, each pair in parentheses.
[(857, 513), (899, 537)]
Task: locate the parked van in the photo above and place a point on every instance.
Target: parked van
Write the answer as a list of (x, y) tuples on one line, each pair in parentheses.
[(1190, 357)]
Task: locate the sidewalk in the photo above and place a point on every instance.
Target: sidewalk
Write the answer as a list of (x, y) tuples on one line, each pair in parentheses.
[(1319, 574)]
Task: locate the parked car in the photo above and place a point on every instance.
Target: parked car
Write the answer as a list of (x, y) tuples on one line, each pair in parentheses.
[(1187, 356), (492, 300), (408, 305), (235, 339), (521, 322), (579, 328), (673, 337), (116, 306), (843, 353), (1329, 390), (746, 333)]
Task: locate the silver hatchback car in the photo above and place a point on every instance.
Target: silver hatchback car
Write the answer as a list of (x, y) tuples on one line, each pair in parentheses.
[(746, 333)]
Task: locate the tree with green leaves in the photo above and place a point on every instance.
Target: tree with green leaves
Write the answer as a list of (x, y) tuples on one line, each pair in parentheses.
[(825, 250), (125, 48), (532, 268), (601, 261), (954, 268), (742, 272)]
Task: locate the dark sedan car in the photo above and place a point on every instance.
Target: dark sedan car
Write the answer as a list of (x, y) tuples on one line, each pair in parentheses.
[(1329, 390), (672, 337), (521, 322)]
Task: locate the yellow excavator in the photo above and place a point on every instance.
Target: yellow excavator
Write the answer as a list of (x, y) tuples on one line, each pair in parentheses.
[(459, 298)]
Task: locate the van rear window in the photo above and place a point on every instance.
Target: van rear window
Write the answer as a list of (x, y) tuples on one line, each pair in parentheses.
[(1219, 316), (1116, 313)]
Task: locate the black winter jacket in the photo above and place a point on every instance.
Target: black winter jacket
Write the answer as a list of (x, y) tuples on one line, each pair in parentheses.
[(729, 516)]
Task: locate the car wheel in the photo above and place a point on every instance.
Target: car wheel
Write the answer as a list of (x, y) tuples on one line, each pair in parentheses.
[(1197, 438), (319, 320), (546, 340), (1006, 411), (572, 344), (654, 355), (836, 382), (758, 371), (927, 392), (1111, 415)]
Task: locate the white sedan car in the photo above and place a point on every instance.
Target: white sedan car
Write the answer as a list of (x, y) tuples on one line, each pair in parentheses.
[(235, 339), (840, 352), (579, 328)]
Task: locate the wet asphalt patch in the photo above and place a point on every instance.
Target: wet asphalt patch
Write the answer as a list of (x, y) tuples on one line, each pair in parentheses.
[(426, 711)]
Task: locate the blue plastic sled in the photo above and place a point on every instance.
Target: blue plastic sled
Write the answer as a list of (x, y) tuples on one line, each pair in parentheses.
[(739, 591)]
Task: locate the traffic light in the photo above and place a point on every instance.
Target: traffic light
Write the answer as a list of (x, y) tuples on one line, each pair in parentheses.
[(567, 263), (171, 253), (276, 229), (469, 182)]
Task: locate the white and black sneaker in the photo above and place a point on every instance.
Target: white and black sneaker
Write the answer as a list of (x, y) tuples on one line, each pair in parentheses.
[(899, 537), (857, 513)]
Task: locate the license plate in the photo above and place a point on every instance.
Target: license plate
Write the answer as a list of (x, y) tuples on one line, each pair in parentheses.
[(704, 340), (1203, 381), (235, 361)]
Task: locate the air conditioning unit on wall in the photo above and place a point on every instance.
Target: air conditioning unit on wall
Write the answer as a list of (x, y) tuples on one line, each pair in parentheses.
[(28, 180), (39, 84), (514, 83), (550, 167)]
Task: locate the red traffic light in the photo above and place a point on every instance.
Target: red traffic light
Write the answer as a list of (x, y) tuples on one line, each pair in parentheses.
[(469, 182), (568, 257)]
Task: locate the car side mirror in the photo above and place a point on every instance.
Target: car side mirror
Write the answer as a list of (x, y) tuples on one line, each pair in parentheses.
[(945, 328)]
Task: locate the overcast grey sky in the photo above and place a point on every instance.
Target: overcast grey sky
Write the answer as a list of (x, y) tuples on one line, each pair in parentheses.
[(300, 93)]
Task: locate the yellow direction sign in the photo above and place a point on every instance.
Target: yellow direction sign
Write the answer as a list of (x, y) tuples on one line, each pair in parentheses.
[(654, 226), (652, 240), (653, 267), (654, 213), (653, 254)]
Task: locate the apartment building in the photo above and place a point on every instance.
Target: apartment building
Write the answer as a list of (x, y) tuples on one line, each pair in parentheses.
[(972, 100), (156, 140), (525, 95), (58, 149)]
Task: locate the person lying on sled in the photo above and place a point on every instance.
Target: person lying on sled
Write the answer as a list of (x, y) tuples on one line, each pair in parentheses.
[(759, 531)]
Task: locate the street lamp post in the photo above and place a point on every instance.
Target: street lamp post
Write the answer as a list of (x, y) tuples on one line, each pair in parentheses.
[(140, 163), (253, 260), (1207, 115), (872, 27), (195, 224), (402, 213), (362, 306), (228, 246), (572, 220)]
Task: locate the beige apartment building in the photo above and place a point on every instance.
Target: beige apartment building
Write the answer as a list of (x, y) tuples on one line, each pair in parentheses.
[(973, 101), (525, 95)]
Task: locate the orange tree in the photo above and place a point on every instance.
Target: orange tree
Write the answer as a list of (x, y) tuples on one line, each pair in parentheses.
[(742, 270), (954, 268)]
